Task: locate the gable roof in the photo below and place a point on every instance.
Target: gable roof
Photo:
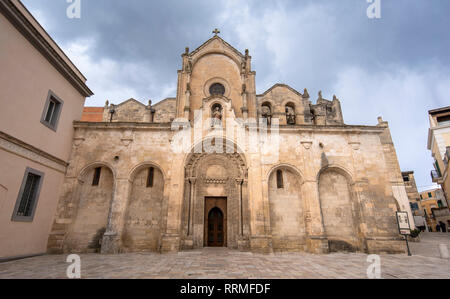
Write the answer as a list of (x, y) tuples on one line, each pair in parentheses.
[(280, 85), (163, 101), (209, 41), (130, 100)]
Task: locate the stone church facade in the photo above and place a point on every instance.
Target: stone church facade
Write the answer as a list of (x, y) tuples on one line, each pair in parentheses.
[(307, 182)]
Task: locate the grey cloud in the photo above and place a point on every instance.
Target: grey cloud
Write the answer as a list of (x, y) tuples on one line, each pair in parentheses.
[(305, 43)]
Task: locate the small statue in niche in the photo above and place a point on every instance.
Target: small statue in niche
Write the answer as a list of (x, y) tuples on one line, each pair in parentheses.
[(216, 116), (188, 66), (243, 66), (290, 115)]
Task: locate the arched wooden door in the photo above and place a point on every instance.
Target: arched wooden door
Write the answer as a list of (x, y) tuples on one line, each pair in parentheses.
[(215, 228)]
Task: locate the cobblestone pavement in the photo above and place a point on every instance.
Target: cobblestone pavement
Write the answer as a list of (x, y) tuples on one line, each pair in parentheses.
[(214, 263)]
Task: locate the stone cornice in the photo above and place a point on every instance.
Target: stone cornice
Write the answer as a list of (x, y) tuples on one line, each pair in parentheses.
[(25, 150), (122, 125), (330, 129), (282, 128), (23, 25)]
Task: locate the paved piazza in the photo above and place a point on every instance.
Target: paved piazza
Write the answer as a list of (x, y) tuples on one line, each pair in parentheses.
[(223, 263)]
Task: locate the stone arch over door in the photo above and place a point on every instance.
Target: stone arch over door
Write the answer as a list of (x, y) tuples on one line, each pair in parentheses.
[(143, 216), (287, 209), (92, 203), (340, 211), (215, 176)]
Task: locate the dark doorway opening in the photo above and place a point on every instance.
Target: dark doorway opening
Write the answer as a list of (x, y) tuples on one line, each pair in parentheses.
[(215, 224), (215, 228)]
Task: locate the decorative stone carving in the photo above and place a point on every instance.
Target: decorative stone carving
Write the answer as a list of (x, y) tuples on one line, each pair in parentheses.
[(355, 145), (305, 94), (306, 144)]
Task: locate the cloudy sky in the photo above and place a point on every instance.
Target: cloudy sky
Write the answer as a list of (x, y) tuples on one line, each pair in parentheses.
[(397, 66)]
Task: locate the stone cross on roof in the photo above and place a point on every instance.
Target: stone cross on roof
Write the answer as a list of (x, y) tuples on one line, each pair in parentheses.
[(216, 31)]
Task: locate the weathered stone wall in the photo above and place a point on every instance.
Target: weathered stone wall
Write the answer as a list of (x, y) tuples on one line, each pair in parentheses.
[(134, 111), (92, 207), (288, 219), (338, 211), (142, 230), (128, 111), (287, 212), (165, 111)]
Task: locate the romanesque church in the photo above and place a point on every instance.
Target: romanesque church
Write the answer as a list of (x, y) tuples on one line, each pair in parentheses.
[(222, 166)]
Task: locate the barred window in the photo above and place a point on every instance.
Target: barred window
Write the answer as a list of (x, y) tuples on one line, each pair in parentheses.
[(28, 195)]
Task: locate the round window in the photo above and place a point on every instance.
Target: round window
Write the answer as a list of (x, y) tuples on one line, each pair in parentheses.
[(217, 89)]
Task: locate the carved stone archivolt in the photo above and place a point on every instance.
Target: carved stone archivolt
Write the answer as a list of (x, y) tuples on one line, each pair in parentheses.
[(217, 175)]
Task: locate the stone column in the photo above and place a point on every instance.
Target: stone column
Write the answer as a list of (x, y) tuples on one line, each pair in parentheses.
[(187, 105), (244, 108), (111, 242), (241, 223), (192, 182)]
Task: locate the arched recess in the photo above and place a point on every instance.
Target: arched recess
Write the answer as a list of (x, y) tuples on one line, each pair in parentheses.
[(92, 203), (215, 180), (287, 209), (143, 216), (340, 210), (290, 113), (266, 111)]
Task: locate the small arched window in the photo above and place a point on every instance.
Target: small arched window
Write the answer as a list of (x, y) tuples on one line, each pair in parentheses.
[(280, 184), (217, 89), (96, 179), (150, 175)]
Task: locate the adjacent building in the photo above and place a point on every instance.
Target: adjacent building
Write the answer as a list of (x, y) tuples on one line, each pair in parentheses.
[(439, 144), (41, 94), (434, 207), (414, 199)]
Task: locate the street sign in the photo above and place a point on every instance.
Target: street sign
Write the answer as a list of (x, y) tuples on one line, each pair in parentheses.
[(403, 223)]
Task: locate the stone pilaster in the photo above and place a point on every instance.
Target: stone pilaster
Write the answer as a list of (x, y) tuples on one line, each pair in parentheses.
[(316, 239), (111, 242), (170, 241), (260, 239)]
